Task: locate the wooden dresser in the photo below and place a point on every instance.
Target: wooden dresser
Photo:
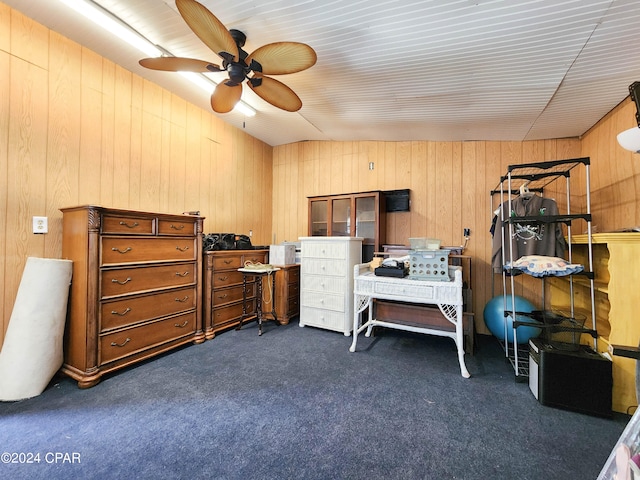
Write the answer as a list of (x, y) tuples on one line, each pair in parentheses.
[(223, 287), (326, 281), (287, 293), (135, 290)]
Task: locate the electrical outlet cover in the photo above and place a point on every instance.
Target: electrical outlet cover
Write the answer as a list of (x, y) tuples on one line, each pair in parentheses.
[(40, 225)]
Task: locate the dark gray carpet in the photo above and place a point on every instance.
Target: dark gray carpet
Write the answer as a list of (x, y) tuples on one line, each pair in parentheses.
[(296, 404)]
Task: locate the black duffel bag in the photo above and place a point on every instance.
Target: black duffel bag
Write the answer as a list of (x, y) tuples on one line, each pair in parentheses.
[(219, 241)]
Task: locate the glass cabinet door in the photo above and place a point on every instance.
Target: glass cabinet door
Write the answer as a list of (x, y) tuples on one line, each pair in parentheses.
[(319, 218), (341, 217), (366, 218)]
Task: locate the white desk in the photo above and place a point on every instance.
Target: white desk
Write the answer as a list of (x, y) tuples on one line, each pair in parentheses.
[(446, 295)]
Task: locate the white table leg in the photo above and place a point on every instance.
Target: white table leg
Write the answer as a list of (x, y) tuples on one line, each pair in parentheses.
[(360, 302), (460, 342)]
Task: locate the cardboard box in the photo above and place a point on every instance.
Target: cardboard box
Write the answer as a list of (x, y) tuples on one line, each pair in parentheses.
[(282, 254)]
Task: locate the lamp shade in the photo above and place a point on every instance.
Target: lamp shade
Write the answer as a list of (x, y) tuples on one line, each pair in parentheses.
[(630, 139)]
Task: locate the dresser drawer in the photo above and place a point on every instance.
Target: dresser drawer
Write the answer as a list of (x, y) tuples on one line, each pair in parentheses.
[(324, 250), (137, 339), (227, 262), (131, 250), (293, 307), (334, 302), (131, 310), (320, 283), (293, 275), (227, 278), (323, 318), (257, 257), (122, 281), (231, 313), (128, 225), (293, 289), (325, 267), (224, 296), (176, 227)]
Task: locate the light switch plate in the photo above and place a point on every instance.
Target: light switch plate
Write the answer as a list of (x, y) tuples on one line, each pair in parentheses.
[(40, 225)]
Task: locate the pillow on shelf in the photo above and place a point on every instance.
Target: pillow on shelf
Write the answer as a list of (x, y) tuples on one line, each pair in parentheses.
[(542, 266)]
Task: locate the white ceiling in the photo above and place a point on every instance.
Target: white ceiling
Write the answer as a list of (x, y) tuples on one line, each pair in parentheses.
[(449, 70)]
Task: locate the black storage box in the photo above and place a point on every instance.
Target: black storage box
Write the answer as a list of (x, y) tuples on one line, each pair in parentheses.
[(577, 379), (398, 272)]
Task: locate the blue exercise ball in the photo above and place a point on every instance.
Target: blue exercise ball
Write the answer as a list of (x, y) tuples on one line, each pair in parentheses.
[(494, 318)]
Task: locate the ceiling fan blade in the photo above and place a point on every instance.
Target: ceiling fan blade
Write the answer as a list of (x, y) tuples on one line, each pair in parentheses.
[(283, 57), (179, 64), (276, 93), (225, 97), (208, 28)]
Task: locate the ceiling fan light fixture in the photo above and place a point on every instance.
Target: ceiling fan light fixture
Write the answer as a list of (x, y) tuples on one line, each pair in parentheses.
[(114, 25), (630, 139), (207, 85)]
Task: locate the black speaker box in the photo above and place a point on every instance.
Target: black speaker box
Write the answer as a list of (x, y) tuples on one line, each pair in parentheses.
[(572, 377)]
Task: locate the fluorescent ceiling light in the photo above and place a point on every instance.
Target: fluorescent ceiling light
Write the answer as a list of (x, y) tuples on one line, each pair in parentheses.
[(244, 109), (117, 27), (114, 25)]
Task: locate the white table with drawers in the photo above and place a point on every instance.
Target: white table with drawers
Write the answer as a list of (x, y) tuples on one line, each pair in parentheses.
[(446, 295)]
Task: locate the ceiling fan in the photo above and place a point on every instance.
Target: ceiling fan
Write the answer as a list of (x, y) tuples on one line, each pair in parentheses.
[(272, 59)]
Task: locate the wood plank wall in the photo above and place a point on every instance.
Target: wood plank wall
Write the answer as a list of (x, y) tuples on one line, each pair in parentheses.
[(77, 129), (449, 182)]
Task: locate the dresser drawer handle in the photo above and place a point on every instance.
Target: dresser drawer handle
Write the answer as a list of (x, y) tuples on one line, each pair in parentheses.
[(114, 344), (222, 297), (183, 249), (122, 314), (186, 297), (179, 227), (133, 225), (222, 279), (177, 325), (228, 261), (126, 250), (113, 280), (182, 274)]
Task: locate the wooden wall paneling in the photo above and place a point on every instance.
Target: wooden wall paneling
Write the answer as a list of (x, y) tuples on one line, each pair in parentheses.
[(204, 177), (5, 29), (177, 165), (26, 172), (193, 161), (63, 132), (210, 210), (150, 155), (336, 164), (29, 40), (294, 203), (107, 174), (307, 184), (430, 189), (370, 179), (151, 149), (164, 161), (5, 92), (418, 183), (122, 137), (137, 144), (494, 170), (476, 210), (90, 129), (444, 207)]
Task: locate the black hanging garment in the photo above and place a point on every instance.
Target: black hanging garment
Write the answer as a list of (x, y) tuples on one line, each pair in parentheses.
[(527, 238)]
